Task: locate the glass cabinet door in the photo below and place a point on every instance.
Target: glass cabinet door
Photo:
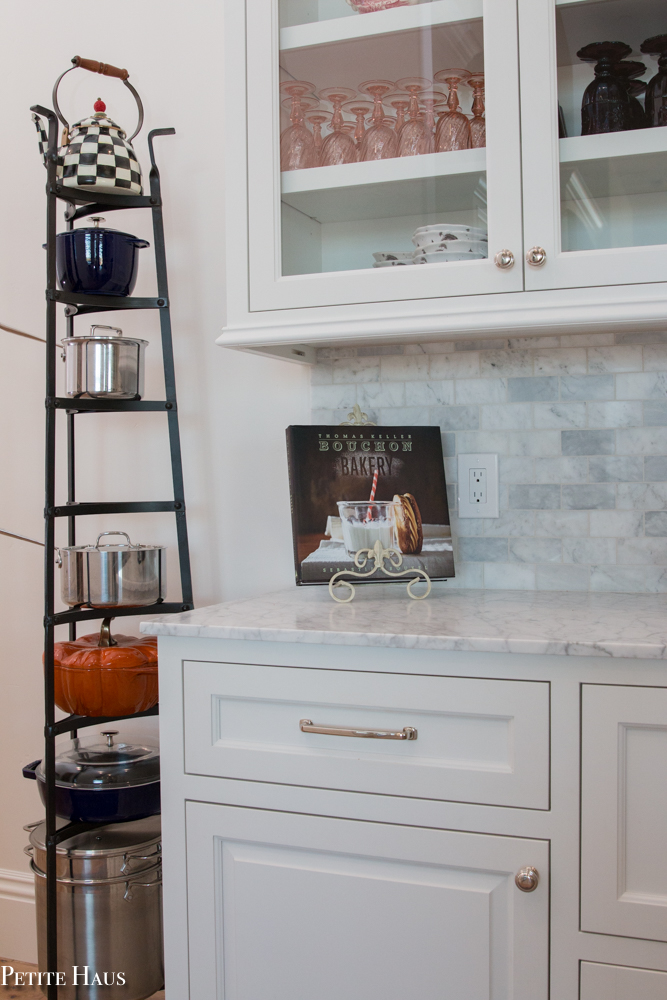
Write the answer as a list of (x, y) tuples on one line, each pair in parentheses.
[(594, 119), (383, 150)]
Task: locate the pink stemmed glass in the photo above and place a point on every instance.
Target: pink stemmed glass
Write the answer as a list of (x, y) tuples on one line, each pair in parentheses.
[(478, 122), (338, 146), (453, 128), (428, 102), (415, 137), (369, 6), (360, 110), (297, 144), (317, 119), (400, 103), (380, 141)]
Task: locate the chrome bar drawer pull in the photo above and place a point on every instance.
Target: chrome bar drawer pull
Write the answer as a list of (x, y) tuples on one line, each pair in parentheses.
[(408, 733)]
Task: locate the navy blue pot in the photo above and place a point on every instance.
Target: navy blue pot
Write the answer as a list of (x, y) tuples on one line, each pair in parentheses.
[(98, 261), (103, 805)]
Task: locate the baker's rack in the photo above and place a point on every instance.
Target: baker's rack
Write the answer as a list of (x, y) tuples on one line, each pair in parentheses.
[(79, 204)]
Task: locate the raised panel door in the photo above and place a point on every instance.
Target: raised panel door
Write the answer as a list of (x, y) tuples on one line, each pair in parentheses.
[(293, 907), (624, 811)]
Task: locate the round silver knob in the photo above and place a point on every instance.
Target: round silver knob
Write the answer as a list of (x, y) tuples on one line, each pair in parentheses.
[(504, 259), (536, 256), (527, 879)]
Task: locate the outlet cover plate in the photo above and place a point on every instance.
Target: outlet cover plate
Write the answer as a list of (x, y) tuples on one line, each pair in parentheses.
[(468, 506)]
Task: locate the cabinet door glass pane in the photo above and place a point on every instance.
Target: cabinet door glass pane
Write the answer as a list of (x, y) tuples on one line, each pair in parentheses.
[(613, 123), (382, 134)]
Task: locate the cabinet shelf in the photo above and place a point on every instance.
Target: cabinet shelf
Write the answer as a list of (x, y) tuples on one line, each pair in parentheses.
[(382, 189), (618, 163), (384, 22), (641, 142)]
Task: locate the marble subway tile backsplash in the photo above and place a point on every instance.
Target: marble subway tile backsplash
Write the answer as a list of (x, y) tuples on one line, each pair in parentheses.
[(580, 426)]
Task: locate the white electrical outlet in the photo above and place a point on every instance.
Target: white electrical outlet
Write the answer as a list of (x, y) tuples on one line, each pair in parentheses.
[(478, 486)]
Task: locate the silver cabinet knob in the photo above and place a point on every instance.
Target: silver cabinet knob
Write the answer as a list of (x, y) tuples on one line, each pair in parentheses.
[(504, 259), (536, 256), (527, 879)]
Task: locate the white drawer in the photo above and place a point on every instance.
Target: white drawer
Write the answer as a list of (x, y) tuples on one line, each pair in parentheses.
[(483, 741)]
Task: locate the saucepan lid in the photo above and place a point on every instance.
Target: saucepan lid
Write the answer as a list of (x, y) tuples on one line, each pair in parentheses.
[(101, 762)]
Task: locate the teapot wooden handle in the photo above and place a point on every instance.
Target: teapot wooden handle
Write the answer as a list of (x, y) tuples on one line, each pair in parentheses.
[(99, 67)]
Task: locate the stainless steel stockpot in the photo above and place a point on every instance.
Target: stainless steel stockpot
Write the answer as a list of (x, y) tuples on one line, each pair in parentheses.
[(108, 852), (106, 364), (109, 922), (112, 576)]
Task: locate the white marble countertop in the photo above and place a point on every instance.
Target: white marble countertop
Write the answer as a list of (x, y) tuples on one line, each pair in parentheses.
[(569, 624)]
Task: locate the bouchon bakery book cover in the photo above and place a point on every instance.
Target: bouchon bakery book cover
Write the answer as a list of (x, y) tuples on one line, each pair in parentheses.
[(353, 486)]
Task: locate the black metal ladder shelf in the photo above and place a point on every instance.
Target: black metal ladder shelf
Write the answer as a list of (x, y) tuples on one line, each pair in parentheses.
[(79, 204)]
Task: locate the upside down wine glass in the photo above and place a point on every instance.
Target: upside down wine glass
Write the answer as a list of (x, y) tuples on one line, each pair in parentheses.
[(453, 128), (360, 110), (656, 93), (606, 102), (338, 146), (400, 103), (380, 141), (627, 72), (317, 119), (478, 122), (415, 138), (297, 144)]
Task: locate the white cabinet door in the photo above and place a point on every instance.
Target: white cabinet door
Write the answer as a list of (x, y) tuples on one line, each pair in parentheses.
[(624, 811), (616, 982), (597, 203), (476, 740), (312, 231), (296, 907)]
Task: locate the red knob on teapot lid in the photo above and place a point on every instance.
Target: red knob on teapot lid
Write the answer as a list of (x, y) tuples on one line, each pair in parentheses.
[(99, 105)]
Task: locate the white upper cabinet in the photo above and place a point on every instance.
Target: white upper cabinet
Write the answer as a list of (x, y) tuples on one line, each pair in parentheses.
[(596, 203), (348, 131), (313, 229)]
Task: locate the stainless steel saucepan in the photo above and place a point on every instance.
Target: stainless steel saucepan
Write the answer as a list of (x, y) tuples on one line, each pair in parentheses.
[(106, 364), (109, 576), (113, 575)]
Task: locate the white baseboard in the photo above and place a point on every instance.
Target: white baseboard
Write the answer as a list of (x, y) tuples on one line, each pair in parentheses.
[(18, 935)]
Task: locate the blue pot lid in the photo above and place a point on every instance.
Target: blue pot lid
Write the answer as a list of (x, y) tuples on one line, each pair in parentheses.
[(101, 762)]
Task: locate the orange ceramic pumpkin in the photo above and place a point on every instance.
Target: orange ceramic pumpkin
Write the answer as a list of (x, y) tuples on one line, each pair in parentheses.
[(99, 675)]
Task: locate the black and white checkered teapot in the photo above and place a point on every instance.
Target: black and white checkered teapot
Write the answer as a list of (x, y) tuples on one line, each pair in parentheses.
[(95, 154)]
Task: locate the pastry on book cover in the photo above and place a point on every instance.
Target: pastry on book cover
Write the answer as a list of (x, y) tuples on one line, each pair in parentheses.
[(353, 486)]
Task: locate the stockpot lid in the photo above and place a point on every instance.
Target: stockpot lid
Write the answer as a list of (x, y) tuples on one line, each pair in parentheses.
[(103, 334), (127, 546), (101, 763), (117, 838)]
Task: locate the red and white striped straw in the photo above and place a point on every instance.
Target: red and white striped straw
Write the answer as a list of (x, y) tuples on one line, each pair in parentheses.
[(372, 496)]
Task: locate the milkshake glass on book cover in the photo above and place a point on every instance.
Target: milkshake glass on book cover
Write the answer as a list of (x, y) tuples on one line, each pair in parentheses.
[(365, 524)]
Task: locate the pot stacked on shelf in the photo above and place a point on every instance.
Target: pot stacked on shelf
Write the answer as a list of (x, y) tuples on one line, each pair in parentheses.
[(109, 892)]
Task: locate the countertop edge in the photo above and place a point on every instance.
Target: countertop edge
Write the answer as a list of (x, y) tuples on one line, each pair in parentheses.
[(622, 650)]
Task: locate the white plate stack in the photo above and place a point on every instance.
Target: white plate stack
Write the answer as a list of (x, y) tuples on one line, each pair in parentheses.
[(444, 242), (392, 258)]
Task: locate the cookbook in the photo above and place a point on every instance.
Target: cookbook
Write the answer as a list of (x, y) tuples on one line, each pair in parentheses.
[(352, 487)]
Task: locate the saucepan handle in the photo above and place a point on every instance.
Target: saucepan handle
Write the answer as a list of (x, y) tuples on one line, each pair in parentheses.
[(97, 543), (29, 771)]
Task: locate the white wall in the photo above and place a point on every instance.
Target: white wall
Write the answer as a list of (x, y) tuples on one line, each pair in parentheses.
[(233, 407)]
